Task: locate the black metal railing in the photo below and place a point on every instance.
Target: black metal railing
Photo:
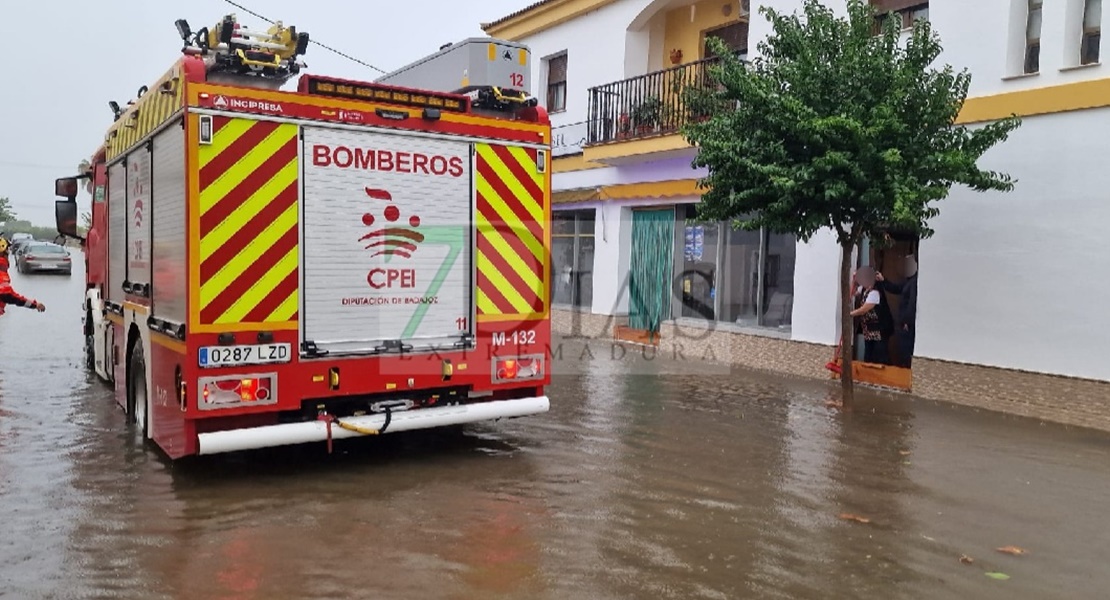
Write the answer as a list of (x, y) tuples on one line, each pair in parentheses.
[(651, 104)]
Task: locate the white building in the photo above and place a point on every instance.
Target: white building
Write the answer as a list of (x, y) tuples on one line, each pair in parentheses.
[(1013, 281)]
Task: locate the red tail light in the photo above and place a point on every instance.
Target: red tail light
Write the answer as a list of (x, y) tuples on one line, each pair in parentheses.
[(506, 369), (29, 256), (247, 389), (518, 368), (237, 391)]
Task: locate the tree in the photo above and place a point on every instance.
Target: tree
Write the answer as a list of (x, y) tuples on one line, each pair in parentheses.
[(86, 220), (837, 127), (6, 212)]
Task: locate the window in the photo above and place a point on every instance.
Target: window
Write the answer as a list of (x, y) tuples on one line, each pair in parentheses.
[(1092, 31), (1033, 37), (735, 36), (557, 83), (906, 12), (698, 279), (572, 258), (735, 276)]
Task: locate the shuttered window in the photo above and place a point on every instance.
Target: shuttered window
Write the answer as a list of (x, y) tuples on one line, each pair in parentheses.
[(885, 6), (1092, 31), (557, 83), (572, 257), (906, 11), (735, 36), (1033, 37)]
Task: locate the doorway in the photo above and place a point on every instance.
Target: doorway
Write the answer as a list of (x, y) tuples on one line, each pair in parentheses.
[(888, 256), (649, 272)]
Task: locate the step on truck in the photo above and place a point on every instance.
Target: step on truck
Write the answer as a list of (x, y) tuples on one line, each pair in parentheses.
[(348, 258)]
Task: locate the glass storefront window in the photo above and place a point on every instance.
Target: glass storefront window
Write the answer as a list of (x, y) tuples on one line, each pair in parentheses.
[(572, 258), (778, 280), (740, 277), (698, 279), (735, 276)]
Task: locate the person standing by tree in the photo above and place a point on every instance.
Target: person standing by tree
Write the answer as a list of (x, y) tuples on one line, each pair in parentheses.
[(905, 331), (867, 304)]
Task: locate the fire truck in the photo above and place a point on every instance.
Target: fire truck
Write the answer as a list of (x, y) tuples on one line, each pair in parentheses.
[(346, 259)]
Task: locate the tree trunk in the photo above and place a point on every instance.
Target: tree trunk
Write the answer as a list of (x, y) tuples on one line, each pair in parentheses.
[(847, 331)]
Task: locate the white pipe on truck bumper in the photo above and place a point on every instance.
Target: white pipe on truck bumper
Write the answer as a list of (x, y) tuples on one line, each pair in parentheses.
[(235, 440)]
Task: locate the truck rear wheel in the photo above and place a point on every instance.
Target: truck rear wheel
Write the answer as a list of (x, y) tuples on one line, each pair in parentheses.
[(137, 406), (90, 345)]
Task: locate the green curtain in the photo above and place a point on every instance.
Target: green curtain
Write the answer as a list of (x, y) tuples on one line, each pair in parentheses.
[(649, 282)]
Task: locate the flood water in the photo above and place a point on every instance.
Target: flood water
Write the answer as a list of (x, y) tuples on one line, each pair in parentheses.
[(642, 482)]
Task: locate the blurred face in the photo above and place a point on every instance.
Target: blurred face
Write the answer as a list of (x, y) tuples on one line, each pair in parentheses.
[(910, 266), (866, 276)]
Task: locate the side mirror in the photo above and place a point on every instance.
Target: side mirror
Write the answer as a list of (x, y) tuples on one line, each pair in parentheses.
[(66, 187), (65, 213)]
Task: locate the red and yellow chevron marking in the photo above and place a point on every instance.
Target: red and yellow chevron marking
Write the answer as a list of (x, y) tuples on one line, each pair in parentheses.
[(247, 213), (512, 236)]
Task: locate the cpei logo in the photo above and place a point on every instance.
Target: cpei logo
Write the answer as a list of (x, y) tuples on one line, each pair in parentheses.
[(392, 239)]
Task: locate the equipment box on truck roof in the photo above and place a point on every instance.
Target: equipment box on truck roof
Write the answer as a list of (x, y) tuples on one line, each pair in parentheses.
[(471, 64)]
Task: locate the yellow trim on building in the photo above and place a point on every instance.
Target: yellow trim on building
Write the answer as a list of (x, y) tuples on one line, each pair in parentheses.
[(633, 148), (568, 164), (576, 195), (630, 191), (541, 16), (654, 189), (1049, 100)]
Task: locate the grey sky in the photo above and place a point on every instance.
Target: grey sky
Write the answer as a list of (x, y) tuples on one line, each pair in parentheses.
[(67, 59)]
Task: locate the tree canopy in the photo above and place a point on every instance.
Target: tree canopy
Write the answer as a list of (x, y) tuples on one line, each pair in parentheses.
[(6, 212), (837, 126)]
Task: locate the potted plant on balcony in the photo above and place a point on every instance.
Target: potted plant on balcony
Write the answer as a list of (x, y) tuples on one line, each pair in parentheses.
[(646, 116), (624, 126)]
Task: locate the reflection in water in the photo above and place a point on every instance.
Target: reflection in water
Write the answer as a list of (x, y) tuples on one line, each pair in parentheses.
[(636, 485)]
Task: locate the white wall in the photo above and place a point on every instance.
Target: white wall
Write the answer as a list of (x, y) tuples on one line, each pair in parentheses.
[(816, 316), (648, 172), (595, 45), (987, 37), (1021, 280), (612, 243)]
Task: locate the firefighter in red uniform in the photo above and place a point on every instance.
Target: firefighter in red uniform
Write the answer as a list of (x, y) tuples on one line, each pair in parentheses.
[(7, 294)]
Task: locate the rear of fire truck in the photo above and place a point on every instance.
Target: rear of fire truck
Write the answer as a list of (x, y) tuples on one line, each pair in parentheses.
[(348, 259)]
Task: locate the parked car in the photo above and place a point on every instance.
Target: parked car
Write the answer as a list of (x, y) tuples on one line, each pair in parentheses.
[(19, 240), (39, 257)]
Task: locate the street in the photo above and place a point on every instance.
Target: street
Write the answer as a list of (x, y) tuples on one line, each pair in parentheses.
[(647, 479)]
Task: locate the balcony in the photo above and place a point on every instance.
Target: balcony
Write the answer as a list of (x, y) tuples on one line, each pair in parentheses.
[(647, 106)]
